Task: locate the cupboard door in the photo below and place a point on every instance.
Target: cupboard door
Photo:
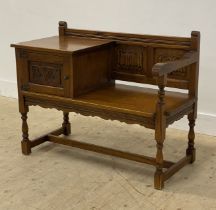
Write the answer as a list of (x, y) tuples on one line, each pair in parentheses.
[(46, 73)]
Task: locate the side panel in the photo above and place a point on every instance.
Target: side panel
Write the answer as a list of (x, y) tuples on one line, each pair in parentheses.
[(91, 70)]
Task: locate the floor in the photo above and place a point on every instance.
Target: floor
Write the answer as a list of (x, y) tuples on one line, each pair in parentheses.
[(56, 177)]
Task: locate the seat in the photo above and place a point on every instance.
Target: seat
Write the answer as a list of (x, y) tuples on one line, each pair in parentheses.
[(132, 99)]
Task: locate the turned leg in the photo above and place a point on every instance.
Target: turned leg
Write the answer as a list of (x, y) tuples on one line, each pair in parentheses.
[(191, 151), (26, 144), (160, 130), (66, 124), (159, 174)]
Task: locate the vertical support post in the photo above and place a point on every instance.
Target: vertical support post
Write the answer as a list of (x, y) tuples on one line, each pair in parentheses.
[(66, 124), (26, 144), (160, 131)]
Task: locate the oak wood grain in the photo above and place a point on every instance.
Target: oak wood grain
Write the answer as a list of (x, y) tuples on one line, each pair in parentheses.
[(77, 70)]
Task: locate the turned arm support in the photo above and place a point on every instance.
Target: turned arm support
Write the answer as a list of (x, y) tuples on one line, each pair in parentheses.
[(160, 69)]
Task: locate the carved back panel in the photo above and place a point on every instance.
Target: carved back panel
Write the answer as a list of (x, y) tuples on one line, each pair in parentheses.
[(164, 55), (130, 59), (135, 62)]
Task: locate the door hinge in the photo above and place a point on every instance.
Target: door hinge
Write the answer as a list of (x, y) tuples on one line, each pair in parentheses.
[(25, 87), (23, 54), (66, 77)]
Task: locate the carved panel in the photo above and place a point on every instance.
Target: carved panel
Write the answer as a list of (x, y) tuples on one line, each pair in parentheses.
[(164, 55), (130, 59), (48, 74)]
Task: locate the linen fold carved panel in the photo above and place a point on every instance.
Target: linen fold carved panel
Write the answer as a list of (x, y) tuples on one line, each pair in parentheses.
[(130, 59)]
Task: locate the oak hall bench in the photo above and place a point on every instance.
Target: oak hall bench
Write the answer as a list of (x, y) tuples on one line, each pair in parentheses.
[(76, 72)]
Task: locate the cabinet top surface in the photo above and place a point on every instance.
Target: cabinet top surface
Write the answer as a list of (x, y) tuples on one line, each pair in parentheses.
[(65, 44)]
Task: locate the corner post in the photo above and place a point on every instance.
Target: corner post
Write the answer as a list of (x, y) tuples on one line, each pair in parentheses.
[(194, 71), (62, 27), (160, 132), (193, 92)]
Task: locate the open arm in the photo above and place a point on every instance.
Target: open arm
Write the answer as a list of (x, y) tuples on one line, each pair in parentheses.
[(160, 69)]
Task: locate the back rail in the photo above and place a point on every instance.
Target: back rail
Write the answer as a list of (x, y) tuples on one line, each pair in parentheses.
[(120, 37), (134, 55)]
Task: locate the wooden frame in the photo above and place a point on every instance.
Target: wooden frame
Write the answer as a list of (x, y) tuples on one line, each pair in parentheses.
[(158, 60)]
